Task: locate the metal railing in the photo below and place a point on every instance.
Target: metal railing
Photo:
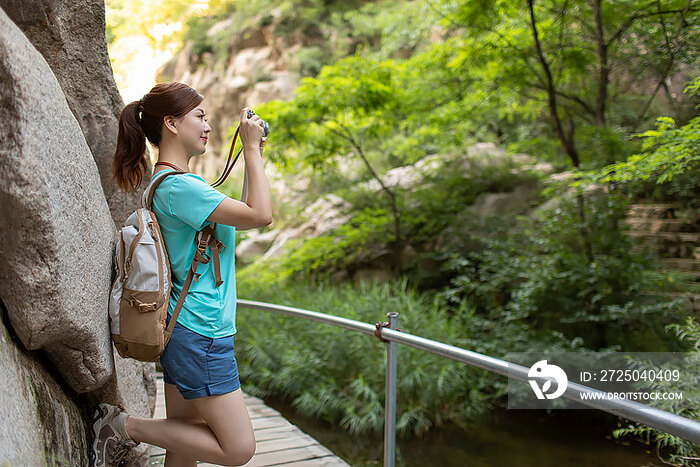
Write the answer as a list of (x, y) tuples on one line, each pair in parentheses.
[(664, 421)]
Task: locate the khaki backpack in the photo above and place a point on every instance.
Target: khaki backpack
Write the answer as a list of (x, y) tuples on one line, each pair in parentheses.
[(139, 297)]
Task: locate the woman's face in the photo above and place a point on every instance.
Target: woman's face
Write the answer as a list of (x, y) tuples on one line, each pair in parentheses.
[(193, 131)]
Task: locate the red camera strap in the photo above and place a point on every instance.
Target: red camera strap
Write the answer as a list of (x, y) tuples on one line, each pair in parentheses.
[(227, 167)]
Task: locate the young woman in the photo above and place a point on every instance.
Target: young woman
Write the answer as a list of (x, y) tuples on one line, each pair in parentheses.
[(207, 419)]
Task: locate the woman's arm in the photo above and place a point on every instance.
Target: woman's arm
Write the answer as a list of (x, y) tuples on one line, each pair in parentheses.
[(256, 211)]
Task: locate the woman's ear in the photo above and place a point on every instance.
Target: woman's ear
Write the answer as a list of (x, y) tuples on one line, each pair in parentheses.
[(171, 123)]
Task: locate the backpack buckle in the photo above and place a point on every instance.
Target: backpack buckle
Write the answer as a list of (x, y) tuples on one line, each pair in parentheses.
[(202, 246), (148, 306)]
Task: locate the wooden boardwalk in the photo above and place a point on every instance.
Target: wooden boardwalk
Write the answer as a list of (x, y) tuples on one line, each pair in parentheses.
[(277, 442)]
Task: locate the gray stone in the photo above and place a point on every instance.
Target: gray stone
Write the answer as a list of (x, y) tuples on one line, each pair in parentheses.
[(41, 423), (408, 255), (516, 201), (57, 235), (554, 202), (339, 276), (278, 246), (324, 215), (56, 250), (407, 176), (403, 177), (249, 37), (378, 256), (486, 150), (71, 38), (255, 245)]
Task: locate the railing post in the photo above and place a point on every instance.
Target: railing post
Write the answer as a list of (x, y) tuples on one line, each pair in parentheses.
[(390, 396)]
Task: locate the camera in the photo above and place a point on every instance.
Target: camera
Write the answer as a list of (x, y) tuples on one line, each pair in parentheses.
[(266, 127)]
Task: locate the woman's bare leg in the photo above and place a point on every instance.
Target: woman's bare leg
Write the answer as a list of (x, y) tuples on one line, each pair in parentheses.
[(177, 406), (224, 435)]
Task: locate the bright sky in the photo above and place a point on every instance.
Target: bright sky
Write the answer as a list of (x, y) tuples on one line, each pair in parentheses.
[(134, 60), (135, 63)]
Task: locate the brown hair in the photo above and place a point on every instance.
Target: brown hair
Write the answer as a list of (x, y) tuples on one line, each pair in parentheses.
[(171, 98)]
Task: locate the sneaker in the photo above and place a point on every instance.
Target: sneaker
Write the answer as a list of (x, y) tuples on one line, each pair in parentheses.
[(110, 439)]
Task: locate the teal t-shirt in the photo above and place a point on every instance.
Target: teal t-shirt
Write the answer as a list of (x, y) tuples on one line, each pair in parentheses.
[(181, 204)]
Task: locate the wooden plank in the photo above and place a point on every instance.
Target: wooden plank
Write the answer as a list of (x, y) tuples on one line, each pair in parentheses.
[(329, 461), (287, 455), (156, 451), (295, 441), (252, 399), (261, 411), (269, 422), (277, 433)]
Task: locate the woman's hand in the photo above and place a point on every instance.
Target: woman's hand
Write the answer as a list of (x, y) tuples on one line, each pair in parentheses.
[(251, 129)]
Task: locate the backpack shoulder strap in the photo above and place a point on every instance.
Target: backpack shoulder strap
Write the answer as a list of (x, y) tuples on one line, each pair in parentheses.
[(150, 190), (200, 257)]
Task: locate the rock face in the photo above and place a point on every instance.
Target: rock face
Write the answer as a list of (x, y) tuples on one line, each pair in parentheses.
[(71, 38), (57, 235), (324, 215), (257, 69), (41, 424), (254, 246), (56, 245), (672, 234)]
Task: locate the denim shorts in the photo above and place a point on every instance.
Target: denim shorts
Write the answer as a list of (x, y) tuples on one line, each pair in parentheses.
[(197, 365)]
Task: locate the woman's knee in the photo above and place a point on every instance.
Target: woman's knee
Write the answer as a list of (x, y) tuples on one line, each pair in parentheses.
[(240, 454), (228, 418)]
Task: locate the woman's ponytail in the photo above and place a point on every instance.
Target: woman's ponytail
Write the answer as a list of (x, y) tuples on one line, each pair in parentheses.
[(129, 164), (143, 119)]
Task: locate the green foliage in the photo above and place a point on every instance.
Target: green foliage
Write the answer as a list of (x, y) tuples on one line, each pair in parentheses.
[(439, 201), (109, 34), (682, 452), (499, 46), (522, 282), (668, 153), (338, 375), (389, 28), (392, 111), (348, 108), (311, 60), (539, 272), (433, 204), (197, 28), (303, 257)]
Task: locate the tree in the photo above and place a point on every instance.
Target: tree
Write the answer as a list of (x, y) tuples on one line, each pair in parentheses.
[(348, 108)]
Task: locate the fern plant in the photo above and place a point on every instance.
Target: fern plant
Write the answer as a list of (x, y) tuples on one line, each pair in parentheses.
[(680, 452)]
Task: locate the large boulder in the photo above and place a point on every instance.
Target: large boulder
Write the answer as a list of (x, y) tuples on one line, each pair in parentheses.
[(41, 423), (254, 245), (71, 38), (502, 204), (56, 252), (324, 215), (407, 176), (57, 235)]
